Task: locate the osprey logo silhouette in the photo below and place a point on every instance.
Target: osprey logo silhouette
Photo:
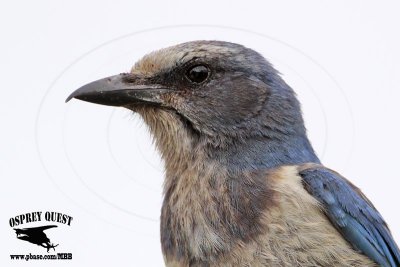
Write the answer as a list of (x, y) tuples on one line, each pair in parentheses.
[(36, 236), (38, 228)]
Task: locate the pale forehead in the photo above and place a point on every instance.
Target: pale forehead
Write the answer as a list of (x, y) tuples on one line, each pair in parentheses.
[(169, 57)]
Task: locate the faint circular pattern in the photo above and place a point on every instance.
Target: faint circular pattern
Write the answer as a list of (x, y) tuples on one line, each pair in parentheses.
[(139, 149), (53, 137)]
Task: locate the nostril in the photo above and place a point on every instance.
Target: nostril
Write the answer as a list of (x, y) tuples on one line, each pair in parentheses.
[(130, 77)]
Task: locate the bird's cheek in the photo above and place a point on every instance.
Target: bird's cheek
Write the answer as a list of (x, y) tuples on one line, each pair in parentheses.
[(232, 104)]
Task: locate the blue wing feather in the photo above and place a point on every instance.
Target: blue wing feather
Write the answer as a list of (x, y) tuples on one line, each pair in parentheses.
[(352, 214)]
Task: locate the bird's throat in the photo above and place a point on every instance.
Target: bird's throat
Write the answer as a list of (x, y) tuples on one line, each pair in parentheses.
[(215, 196)]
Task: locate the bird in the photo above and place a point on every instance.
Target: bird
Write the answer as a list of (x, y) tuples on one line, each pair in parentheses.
[(243, 185), (36, 236)]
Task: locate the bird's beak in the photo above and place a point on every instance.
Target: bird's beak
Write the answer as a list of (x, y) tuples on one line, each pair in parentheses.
[(118, 91)]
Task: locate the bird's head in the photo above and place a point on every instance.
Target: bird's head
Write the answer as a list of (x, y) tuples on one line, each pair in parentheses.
[(213, 91)]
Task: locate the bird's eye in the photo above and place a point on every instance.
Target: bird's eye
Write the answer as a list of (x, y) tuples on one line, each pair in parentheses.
[(198, 74)]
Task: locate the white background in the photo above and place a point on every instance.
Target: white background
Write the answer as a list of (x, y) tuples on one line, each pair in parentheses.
[(97, 163)]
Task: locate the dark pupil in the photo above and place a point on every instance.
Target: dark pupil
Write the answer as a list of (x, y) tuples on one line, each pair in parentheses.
[(198, 74)]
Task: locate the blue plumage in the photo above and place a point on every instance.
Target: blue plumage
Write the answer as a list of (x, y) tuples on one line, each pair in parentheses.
[(353, 215)]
